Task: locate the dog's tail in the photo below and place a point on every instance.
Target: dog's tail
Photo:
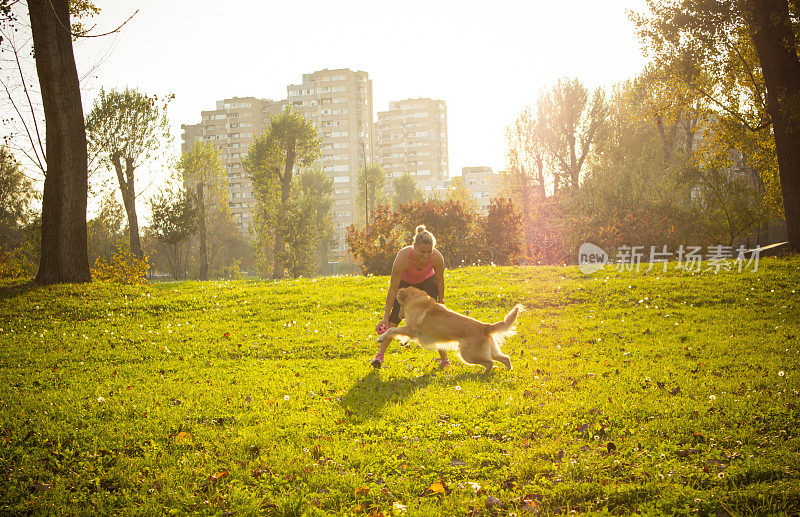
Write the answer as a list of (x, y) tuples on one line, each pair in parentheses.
[(503, 329)]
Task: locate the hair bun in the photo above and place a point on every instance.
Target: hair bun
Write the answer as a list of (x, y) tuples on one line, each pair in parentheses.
[(420, 228)]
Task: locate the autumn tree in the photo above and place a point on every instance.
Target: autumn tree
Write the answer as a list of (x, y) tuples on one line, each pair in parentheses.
[(16, 195), (124, 130), (749, 51), (204, 175), (290, 141), (500, 232), (458, 193)]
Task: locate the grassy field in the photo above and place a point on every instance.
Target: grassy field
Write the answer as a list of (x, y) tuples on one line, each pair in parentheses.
[(632, 392)]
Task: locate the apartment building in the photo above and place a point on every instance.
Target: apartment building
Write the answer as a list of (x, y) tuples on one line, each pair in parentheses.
[(339, 103), (231, 128), (412, 139), (483, 183)]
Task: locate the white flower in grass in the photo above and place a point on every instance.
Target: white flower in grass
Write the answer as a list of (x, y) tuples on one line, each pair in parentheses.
[(286, 397), (781, 373), (712, 397), (458, 388), (101, 400)]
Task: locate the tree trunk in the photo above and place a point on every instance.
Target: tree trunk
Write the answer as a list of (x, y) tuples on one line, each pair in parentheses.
[(526, 214), (63, 256), (286, 188), (126, 187), (540, 190), (772, 35), (202, 228), (324, 256)]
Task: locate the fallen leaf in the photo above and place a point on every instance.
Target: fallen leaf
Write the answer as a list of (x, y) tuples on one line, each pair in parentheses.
[(183, 436), (216, 477), (437, 488), (362, 490)]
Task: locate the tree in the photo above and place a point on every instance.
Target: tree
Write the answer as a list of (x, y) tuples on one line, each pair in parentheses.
[(175, 219), (371, 176), (501, 232), (458, 193), (375, 246), (528, 163), (316, 202), (204, 174), (64, 255), (527, 153), (291, 140), (16, 195), (124, 130), (106, 231), (406, 190), (569, 121), (748, 50)]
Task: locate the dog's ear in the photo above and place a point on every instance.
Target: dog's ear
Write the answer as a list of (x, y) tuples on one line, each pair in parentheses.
[(401, 295)]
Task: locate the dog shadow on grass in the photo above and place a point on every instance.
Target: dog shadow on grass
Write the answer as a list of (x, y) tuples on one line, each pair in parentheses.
[(370, 394)]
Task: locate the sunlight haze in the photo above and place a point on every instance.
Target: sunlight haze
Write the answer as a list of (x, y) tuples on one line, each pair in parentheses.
[(486, 61)]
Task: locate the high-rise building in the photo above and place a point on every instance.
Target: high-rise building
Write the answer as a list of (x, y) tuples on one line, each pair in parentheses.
[(339, 104), (483, 183), (412, 139), (231, 128)]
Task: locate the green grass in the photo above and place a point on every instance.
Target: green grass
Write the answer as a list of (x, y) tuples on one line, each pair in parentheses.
[(651, 393)]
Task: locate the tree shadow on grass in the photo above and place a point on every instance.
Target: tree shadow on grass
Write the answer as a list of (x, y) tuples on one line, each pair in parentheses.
[(367, 397), (12, 291)]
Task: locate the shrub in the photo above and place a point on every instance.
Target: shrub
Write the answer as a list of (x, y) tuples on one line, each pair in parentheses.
[(121, 268), (501, 230), (15, 263), (232, 271), (375, 246)]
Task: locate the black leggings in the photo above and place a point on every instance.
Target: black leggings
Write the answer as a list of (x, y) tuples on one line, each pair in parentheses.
[(428, 285)]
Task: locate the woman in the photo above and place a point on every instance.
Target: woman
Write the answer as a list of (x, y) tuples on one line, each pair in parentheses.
[(419, 265)]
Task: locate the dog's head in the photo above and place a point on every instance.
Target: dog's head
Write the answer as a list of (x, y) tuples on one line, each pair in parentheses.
[(406, 294)]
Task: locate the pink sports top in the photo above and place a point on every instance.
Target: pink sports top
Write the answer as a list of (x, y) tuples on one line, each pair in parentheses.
[(412, 275)]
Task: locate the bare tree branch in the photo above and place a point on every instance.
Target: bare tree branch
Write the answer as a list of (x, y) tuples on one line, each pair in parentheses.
[(74, 35)]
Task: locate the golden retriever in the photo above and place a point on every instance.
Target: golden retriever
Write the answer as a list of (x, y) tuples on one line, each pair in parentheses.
[(435, 326)]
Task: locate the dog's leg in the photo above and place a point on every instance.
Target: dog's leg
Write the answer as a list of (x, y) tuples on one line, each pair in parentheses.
[(476, 351), (396, 331), (497, 355), (505, 360)]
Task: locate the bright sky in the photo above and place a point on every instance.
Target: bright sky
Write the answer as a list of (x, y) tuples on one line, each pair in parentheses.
[(486, 60)]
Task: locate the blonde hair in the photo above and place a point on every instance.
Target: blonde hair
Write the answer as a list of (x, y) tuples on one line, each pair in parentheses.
[(423, 236)]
